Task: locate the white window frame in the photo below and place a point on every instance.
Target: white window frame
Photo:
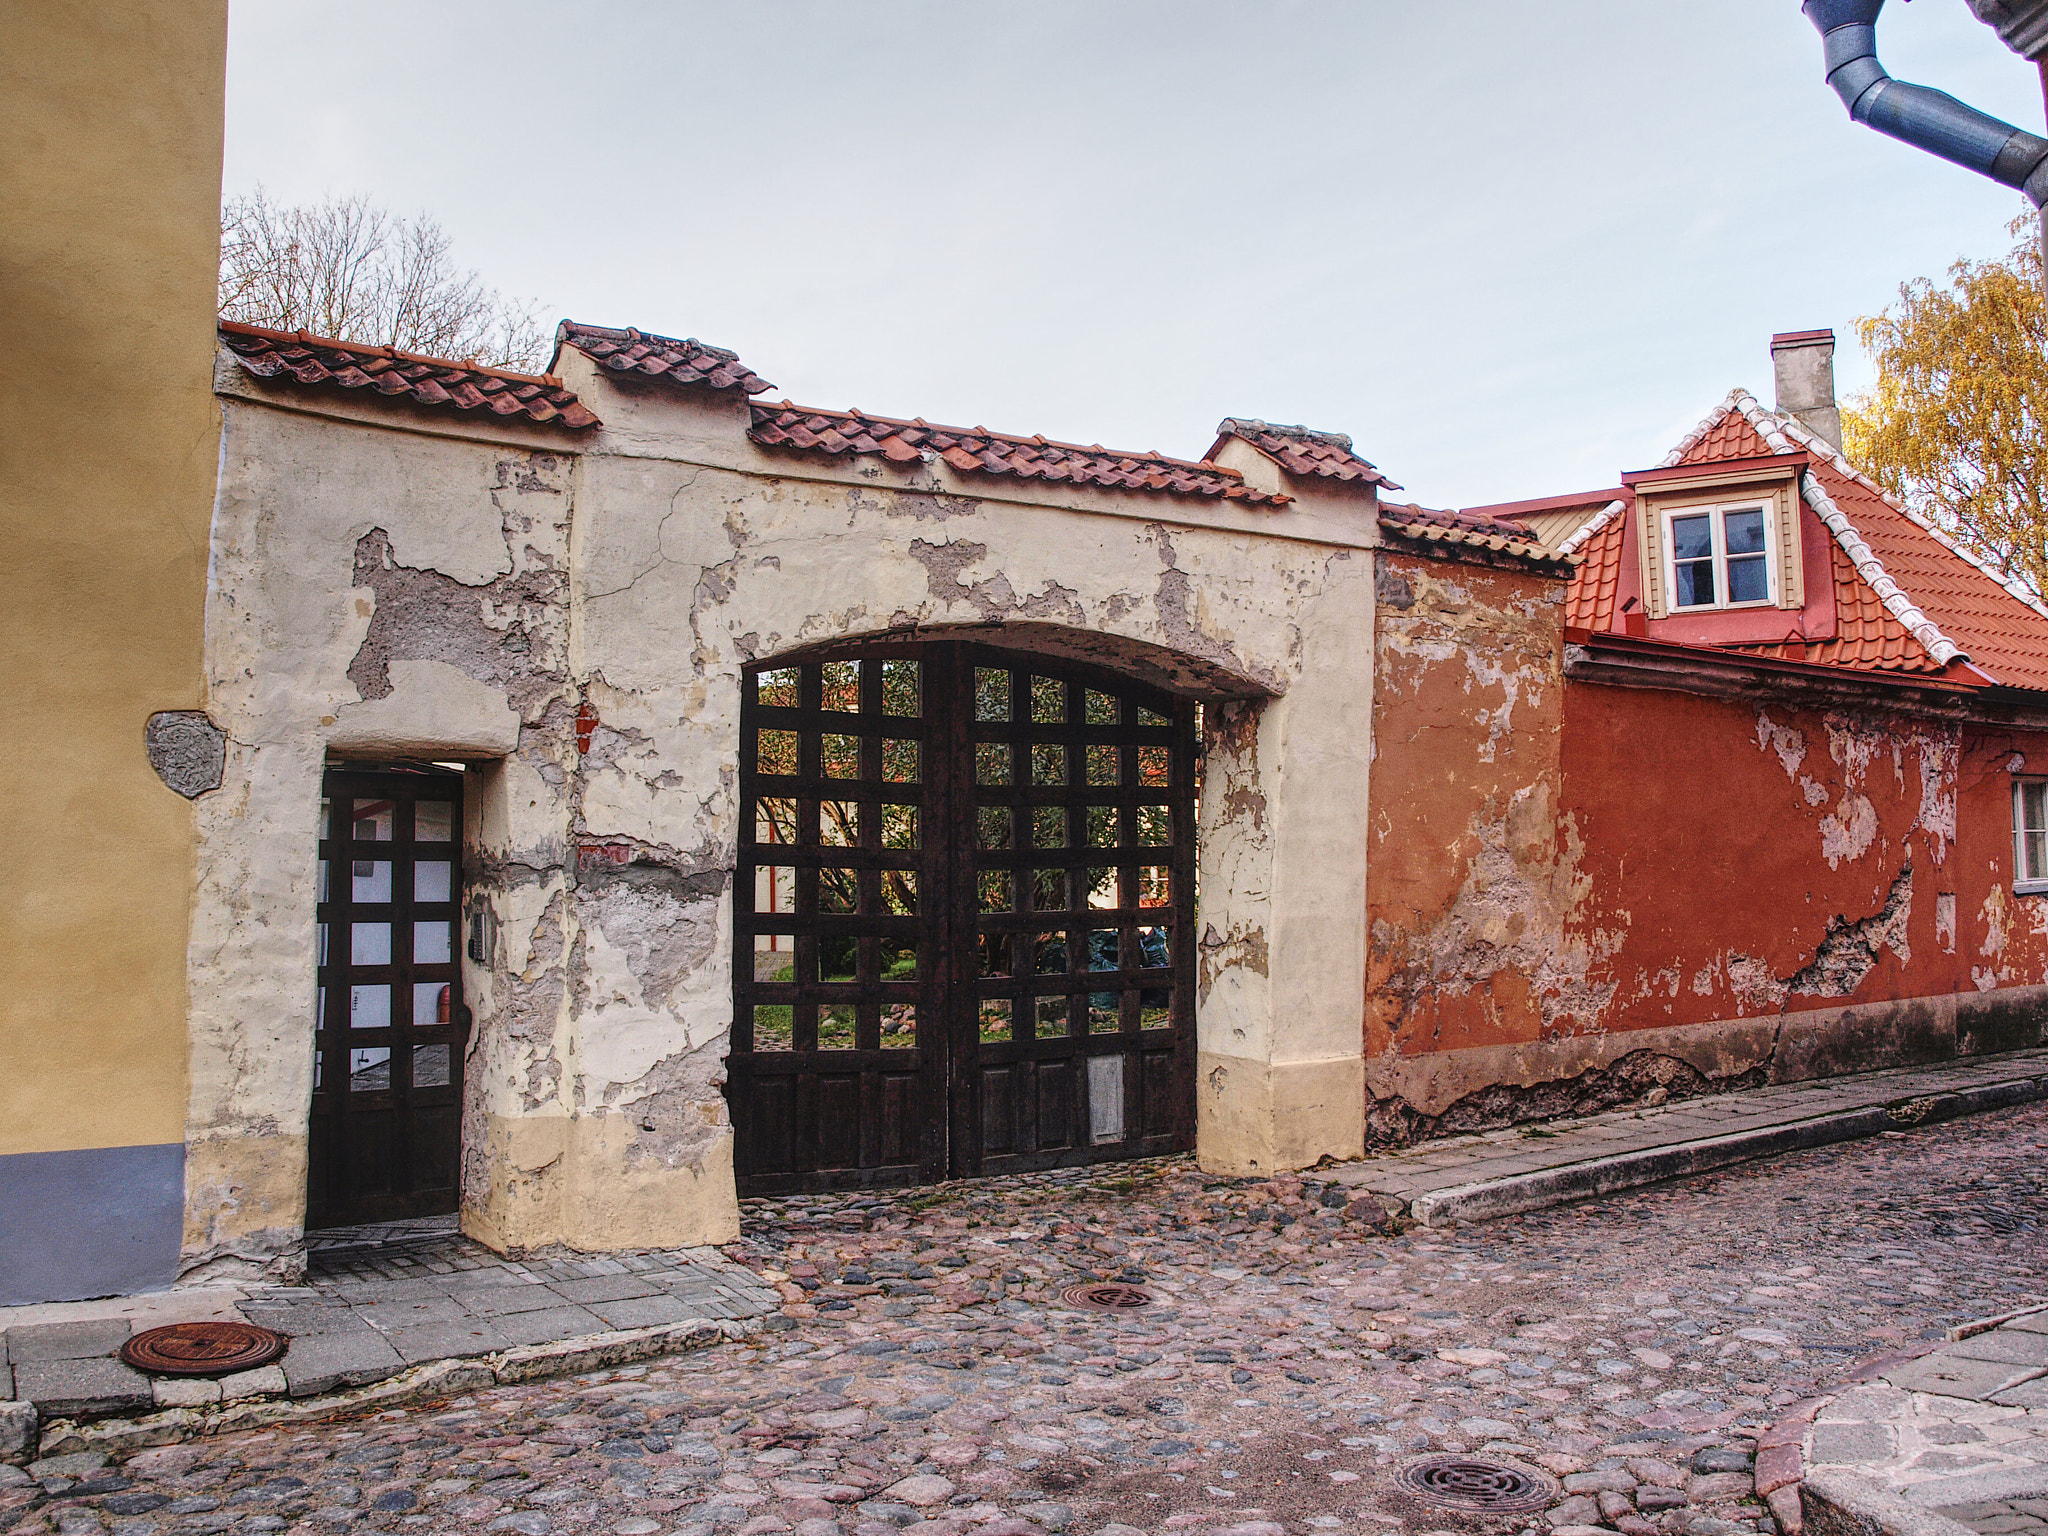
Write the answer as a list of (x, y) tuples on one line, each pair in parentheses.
[(2029, 876), (1716, 513)]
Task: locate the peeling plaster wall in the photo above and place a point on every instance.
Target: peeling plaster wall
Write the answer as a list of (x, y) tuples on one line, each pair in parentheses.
[(391, 585), (1468, 894), (1733, 893)]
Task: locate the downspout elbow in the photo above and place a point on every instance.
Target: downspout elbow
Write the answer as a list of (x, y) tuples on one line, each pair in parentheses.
[(1928, 119)]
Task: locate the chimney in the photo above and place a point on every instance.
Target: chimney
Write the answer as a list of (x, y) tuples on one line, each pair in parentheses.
[(1804, 362)]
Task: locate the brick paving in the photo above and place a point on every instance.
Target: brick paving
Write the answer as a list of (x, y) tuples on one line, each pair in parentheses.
[(924, 1374)]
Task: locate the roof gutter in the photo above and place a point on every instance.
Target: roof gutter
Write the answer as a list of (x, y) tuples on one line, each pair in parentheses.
[(1929, 119)]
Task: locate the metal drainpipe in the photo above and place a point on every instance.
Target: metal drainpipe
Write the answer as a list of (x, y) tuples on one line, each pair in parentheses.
[(1934, 120)]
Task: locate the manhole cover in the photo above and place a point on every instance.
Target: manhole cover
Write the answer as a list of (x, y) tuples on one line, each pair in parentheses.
[(1107, 1296), (203, 1349), (1477, 1483)]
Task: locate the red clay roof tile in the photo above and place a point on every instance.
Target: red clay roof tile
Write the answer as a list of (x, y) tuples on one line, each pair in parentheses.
[(1302, 451), (1732, 437), (976, 450), (435, 382), (1589, 600), (678, 361)]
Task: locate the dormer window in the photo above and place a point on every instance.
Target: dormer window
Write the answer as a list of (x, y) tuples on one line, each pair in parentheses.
[(1720, 558)]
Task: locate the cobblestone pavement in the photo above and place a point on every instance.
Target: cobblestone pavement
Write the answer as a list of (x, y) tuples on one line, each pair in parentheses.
[(925, 1375)]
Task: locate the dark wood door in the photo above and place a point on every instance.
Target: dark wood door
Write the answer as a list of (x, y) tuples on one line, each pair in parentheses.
[(964, 918), (387, 1075)]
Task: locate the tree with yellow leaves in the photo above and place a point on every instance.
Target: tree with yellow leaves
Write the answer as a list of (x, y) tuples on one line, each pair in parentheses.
[(1956, 425)]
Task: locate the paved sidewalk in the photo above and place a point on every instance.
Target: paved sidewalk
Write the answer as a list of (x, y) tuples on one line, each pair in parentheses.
[(376, 1301), (1526, 1168), (1961, 1431)]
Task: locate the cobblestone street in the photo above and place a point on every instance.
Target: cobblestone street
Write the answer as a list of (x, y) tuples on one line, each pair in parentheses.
[(926, 1374)]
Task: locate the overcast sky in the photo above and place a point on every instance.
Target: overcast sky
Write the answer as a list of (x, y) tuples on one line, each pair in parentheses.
[(1511, 247)]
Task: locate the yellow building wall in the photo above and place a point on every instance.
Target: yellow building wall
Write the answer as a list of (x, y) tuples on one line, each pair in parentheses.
[(110, 161)]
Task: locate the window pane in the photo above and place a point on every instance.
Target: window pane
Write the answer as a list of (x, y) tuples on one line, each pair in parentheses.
[(1695, 585), (1105, 1015), (322, 930), (899, 962), (995, 951), (433, 821), (433, 943), (1052, 1017), (430, 1066), (777, 688), (837, 956), (775, 957), (1154, 886), (1155, 826), (775, 751), (432, 1002), (839, 823), (2037, 856), (1049, 826), (1154, 765), (899, 1026), (369, 1071), (1103, 766), (1692, 538), (369, 1007), (371, 880), (774, 888), (995, 1019), (373, 821), (1048, 763), (1101, 708), (899, 761), (1748, 581), (1152, 717), (322, 883), (1049, 954), (2034, 801), (841, 690), (838, 890), (1048, 701), (991, 693), (991, 762), (433, 880), (993, 890), (1102, 950), (992, 823), (370, 944), (899, 826), (842, 756), (1049, 890), (1101, 887), (1102, 826), (901, 689), (771, 1027), (899, 893), (835, 1027), (1744, 532), (774, 820)]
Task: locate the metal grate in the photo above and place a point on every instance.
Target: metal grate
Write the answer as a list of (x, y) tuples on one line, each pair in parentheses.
[(1477, 1483), (202, 1349), (1107, 1296)]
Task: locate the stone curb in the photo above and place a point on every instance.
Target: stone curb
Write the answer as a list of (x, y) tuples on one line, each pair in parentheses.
[(1838, 1503), (422, 1383), (1534, 1191)]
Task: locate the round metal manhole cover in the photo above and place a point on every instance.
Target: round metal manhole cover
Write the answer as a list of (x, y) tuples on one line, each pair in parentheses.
[(1481, 1484), (1107, 1296), (202, 1349)]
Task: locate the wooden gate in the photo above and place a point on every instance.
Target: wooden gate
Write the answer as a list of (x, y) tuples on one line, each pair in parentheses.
[(387, 1066), (964, 918)]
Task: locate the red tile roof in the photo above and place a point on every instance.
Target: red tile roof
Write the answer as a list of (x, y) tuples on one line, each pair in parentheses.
[(433, 382), (678, 361), (1589, 600), (1491, 540), (1949, 600), (978, 451), (1302, 451)]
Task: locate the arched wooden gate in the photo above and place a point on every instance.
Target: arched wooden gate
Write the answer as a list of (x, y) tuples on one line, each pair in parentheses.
[(964, 918)]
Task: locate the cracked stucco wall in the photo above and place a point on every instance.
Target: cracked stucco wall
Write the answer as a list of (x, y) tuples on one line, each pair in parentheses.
[(1748, 892), (571, 619)]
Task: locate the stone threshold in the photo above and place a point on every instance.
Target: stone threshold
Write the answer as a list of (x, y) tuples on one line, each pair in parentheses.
[(1527, 1168), (436, 1380)]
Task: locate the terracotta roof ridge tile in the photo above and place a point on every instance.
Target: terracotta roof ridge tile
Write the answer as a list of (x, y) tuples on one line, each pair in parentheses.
[(1304, 451), (434, 382), (679, 359)]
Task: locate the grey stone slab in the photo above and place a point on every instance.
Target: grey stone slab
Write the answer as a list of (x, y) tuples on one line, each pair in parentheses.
[(2028, 1394), (2033, 1322), (65, 1388), (640, 1311), (390, 1315), (1949, 1376), (546, 1327), (66, 1341), (362, 1293), (1979, 1487), (448, 1341), (604, 1288), (498, 1300), (1850, 1444), (301, 1321), (326, 1361), (2010, 1346), (481, 1277)]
